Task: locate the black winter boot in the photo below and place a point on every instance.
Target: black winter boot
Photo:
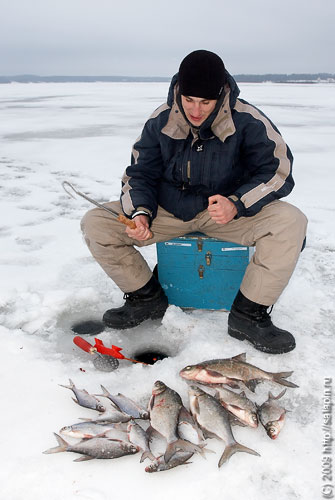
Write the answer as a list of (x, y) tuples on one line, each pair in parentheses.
[(251, 321), (149, 302)]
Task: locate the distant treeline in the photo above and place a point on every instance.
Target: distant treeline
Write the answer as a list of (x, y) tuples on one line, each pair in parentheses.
[(283, 78), (276, 78)]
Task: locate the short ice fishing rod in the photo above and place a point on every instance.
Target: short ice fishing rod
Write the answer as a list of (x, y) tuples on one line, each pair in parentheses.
[(121, 218)]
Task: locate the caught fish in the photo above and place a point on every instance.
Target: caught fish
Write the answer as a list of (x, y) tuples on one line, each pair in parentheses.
[(99, 447), (232, 371), (138, 437), (84, 398), (88, 429), (272, 415), (214, 421), (239, 405), (179, 458), (165, 406), (110, 416), (125, 404)]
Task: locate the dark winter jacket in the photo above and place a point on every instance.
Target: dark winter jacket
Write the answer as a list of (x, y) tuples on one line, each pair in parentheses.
[(237, 152)]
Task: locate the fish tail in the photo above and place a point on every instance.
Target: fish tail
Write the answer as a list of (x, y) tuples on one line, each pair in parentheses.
[(281, 377), (63, 445), (71, 386), (104, 392), (271, 396), (234, 448), (180, 444), (147, 454)]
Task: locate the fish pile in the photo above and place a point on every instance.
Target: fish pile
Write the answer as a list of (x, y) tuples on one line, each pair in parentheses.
[(167, 433)]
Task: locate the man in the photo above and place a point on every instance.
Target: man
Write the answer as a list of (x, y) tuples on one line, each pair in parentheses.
[(206, 161)]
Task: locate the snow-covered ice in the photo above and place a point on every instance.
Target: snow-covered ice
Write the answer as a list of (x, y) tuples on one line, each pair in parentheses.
[(83, 133)]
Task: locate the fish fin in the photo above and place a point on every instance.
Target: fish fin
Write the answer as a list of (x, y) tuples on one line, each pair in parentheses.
[(83, 458), (147, 454), (234, 448), (66, 386), (101, 434), (233, 383), (206, 433), (179, 444), (213, 373), (206, 450), (280, 378), (240, 357), (151, 403), (284, 374), (235, 407), (271, 396), (196, 406), (184, 414), (75, 401), (251, 384), (233, 420), (62, 446), (105, 393), (86, 419), (282, 416), (151, 432)]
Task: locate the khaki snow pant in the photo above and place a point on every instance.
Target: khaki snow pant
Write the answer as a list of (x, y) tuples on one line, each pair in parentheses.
[(277, 232)]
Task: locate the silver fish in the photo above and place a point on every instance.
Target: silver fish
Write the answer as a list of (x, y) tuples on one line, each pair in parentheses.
[(165, 405), (99, 447), (138, 437), (110, 416), (84, 398), (239, 405), (179, 458), (125, 404), (214, 421), (272, 415), (88, 429), (232, 371)]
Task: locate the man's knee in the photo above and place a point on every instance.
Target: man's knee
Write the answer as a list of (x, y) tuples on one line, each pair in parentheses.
[(291, 218)]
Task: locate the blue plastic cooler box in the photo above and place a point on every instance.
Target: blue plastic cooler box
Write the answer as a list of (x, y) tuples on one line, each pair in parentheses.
[(200, 272)]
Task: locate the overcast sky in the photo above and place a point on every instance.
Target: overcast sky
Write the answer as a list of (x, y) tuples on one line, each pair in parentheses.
[(150, 37)]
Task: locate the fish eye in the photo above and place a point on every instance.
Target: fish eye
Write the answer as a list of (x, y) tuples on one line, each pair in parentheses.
[(254, 418), (187, 368)]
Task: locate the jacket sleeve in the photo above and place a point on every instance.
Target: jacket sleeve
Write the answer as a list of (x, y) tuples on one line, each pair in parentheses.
[(139, 182), (267, 161)]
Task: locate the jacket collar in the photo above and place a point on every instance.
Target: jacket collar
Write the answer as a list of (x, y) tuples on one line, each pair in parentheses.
[(219, 123)]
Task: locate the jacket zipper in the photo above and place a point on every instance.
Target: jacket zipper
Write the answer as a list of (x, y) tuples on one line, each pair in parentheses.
[(188, 173)]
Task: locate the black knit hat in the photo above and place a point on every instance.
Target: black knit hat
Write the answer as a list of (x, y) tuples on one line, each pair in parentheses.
[(202, 74)]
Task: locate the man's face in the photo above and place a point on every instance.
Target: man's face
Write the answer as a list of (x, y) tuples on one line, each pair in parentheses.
[(197, 109)]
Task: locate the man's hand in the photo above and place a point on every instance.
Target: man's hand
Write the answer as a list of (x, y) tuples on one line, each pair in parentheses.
[(142, 231), (221, 209)]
